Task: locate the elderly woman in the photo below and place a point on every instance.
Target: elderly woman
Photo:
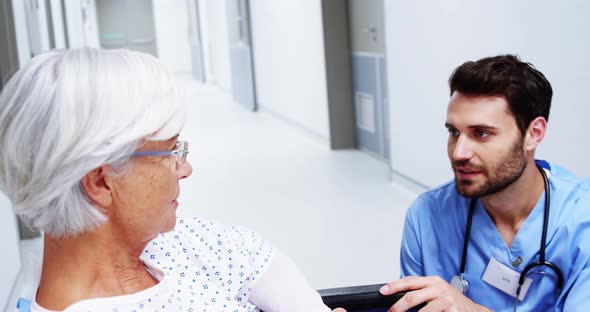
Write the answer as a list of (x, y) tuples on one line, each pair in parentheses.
[(90, 155)]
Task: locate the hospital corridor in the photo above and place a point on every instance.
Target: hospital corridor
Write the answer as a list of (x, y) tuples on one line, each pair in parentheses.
[(315, 124)]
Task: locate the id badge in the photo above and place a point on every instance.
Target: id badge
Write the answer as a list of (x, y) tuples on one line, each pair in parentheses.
[(505, 279)]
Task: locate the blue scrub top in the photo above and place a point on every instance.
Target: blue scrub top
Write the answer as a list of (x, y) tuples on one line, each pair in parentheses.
[(434, 231)]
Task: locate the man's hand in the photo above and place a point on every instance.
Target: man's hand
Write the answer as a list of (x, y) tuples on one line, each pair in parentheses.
[(338, 310), (433, 290)]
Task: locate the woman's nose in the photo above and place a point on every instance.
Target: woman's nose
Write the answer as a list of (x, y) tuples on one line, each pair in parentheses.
[(185, 170)]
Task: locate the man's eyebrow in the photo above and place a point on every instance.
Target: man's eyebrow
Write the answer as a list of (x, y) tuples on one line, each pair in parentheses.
[(483, 126), (476, 126)]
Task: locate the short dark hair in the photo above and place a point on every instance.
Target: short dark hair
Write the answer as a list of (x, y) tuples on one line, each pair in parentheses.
[(526, 89)]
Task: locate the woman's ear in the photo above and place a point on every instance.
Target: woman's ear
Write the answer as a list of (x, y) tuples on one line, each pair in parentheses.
[(535, 133), (97, 188)]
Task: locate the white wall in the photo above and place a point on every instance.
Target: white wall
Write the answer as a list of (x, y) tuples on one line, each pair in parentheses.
[(426, 40), (216, 42), (289, 62), (172, 36)]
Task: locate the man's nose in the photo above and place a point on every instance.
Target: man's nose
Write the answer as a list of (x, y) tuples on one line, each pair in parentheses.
[(463, 149)]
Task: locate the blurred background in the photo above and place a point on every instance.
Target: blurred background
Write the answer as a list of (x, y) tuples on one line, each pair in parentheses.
[(313, 122)]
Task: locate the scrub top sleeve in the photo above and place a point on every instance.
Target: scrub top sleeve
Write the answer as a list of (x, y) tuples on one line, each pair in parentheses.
[(576, 292), (578, 295), (411, 246)]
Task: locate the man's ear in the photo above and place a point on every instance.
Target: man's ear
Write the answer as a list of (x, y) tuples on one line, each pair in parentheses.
[(96, 186), (535, 133)]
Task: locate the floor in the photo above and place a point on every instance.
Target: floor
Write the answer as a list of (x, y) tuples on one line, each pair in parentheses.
[(336, 213)]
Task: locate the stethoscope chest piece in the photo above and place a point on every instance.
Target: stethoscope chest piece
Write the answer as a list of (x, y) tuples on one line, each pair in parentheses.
[(460, 283)]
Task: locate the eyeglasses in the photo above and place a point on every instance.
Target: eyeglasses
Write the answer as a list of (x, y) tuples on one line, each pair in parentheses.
[(180, 152)]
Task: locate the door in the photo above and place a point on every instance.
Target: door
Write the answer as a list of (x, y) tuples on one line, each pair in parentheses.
[(37, 26), (57, 28), (195, 40), (127, 24), (240, 46), (369, 85)]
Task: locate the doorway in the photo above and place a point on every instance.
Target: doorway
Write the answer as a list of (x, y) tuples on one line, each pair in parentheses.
[(369, 84), (127, 24), (195, 40), (240, 46)]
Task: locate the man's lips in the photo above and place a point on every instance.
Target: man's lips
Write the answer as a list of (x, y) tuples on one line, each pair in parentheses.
[(466, 172)]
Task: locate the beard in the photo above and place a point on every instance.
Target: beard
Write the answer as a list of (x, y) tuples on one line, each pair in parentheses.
[(499, 175)]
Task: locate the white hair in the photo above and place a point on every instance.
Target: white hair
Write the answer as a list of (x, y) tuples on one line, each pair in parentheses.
[(68, 112)]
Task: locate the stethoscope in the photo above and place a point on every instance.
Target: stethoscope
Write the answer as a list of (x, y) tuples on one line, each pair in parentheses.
[(462, 285)]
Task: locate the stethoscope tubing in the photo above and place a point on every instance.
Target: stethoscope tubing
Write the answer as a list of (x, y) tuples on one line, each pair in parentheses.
[(542, 261)]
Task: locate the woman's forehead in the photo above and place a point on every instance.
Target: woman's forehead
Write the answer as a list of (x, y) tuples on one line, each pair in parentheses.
[(166, 144)]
